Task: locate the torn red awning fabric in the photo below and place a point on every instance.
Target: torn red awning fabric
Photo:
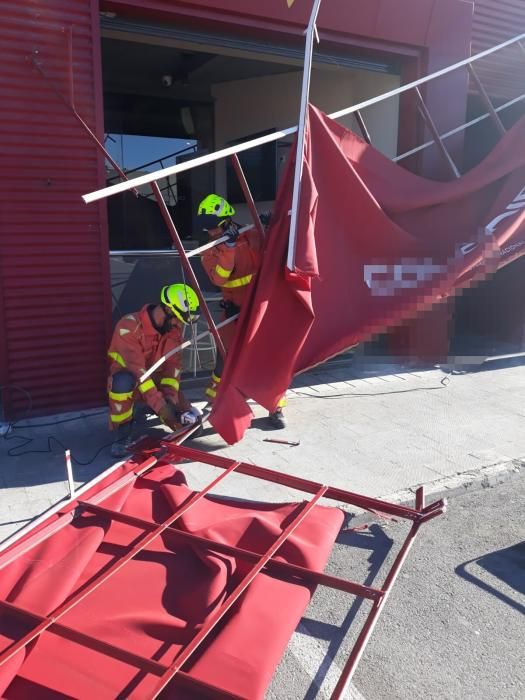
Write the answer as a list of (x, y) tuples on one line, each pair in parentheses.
[(376, 245), (156, 604)]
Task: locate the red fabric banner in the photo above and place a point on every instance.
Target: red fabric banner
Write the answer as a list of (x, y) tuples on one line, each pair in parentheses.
[(157, 602), (376, 245)]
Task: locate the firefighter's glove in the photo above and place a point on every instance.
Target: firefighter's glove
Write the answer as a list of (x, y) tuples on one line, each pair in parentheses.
[(233, 234), (265, 218), (170, 416), (191, 417)]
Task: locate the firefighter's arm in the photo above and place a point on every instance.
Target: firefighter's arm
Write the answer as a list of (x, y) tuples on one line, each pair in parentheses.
[(171, 373), (127, 351), (219, 263)]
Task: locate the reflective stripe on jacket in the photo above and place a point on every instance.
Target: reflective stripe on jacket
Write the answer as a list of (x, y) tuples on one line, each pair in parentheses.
[(136, 345), (232, 269)]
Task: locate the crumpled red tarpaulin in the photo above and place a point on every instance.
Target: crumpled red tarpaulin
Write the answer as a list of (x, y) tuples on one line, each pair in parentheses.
[(158, 601), (376, 245)]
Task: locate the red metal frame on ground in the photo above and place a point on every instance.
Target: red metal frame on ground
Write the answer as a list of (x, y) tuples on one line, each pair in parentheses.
[(261, 562)]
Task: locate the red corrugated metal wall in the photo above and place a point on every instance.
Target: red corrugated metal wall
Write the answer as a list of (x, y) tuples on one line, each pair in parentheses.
[(54, 273), (495, 21)]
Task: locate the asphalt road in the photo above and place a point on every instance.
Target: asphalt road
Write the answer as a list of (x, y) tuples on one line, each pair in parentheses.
[(454, 625)]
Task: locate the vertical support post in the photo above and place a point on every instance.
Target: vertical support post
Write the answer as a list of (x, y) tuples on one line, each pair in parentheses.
[(486, 100), (305, 93), (362, 127), (420, 498), (187, 265), (362, 640), (247, 193), (435, 134), (69, 472)]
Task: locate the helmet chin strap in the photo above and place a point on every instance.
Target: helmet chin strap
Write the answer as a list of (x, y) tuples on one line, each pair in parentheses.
[(165, 326)]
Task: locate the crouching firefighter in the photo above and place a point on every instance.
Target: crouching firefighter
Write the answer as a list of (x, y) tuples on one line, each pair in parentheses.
[(139, 340), (232, 267)]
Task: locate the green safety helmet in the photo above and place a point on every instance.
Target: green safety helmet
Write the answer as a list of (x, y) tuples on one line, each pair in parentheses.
[(182, 302), (213, 211)]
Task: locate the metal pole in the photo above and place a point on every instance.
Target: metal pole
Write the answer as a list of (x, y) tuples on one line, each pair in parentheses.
[(305, 94), (459, 129), (218, 614), (69, 472), (349, 669), (187, 265), (247, 194), (186, 344), (275, 136), (167, 218), (435, 133), (488, 102), (362, 126), (77, 116)]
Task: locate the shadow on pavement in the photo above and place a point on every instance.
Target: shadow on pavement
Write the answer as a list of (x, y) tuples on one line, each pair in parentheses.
[(375, 540), (507, 565)]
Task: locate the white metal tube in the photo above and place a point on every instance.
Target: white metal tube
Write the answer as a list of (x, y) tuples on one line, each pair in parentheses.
[(69, 472), (188, 165), (180, 347), (54, 509), (458, 129), (305, 95), (247, 145), (215, 242)]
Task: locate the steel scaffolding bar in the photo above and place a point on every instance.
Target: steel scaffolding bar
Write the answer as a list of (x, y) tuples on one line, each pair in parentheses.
[(154, 188), (247, 194), (371, 620), (112, 570), (261, 562), (362, 126), (273, 566), (237, 592), (141, 662), (487, 101), (301, 130), (187, 266), (295, 482), (435, 133), (275, 136), (459, 129)]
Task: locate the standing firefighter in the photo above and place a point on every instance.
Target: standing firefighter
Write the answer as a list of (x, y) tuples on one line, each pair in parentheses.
[(139, 340), (232, 266)]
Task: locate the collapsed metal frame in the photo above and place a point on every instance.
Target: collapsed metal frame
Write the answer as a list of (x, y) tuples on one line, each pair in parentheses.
[(168, 673), (232, 152), (311, 32), (265, 562)]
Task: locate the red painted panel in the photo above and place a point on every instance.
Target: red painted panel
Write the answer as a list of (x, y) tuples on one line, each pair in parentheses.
[(54, 298), (495, 21)]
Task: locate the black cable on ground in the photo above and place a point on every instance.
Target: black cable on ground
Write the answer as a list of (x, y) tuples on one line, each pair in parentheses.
[(13, 451), (444, 382)]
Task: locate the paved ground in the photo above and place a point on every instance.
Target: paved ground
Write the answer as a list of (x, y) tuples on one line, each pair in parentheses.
[(368, 427), (453, 625)]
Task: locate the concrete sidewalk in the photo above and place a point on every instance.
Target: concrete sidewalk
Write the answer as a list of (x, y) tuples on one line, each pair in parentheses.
[(363, 426)]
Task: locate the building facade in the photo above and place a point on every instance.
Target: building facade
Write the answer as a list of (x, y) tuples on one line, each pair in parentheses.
[(233, 70)]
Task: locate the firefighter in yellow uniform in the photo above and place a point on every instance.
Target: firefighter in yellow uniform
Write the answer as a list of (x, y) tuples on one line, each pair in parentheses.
[(232, 267), (139, 340)]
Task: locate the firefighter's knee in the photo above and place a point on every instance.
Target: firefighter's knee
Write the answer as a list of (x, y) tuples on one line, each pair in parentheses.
[(123, 382)]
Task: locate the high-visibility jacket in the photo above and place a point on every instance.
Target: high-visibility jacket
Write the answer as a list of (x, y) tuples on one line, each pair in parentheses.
[(233, 269), (135, 346)]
